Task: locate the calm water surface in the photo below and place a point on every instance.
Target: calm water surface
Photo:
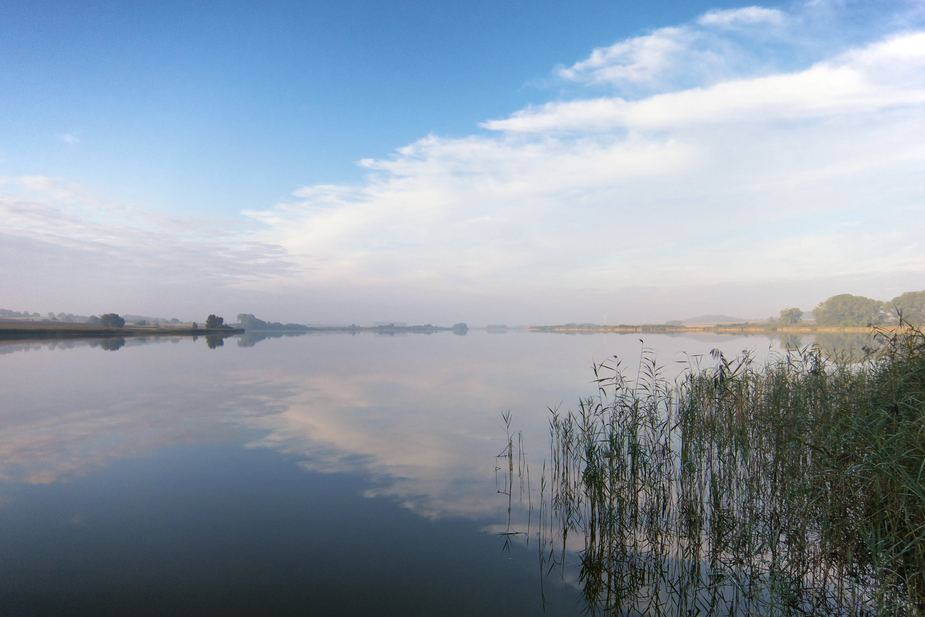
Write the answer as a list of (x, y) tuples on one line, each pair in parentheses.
[(322, 474)]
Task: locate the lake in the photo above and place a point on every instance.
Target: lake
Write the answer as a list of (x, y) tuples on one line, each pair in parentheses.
[(322, 474)]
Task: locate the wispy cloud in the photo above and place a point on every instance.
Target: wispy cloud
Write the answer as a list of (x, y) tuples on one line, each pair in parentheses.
[(747, 16), (720, 45), (639, 60), (885, 75), (69, 138)]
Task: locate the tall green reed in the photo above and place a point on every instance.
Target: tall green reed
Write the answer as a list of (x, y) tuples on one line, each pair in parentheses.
[(793, 487)]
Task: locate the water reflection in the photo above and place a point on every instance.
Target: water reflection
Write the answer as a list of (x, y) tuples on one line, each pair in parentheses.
[(420, 415), (843, 345), (252, 337), (112, 344), (791, 342), (848, 345)]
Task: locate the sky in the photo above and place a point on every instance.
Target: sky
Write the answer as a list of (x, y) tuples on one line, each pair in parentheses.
[(487, 162)]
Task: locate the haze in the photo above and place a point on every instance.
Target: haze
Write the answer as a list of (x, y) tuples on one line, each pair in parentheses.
[(516, 163)]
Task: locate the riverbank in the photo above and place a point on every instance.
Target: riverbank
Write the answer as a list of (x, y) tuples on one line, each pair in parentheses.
[(744, 328), (30, 331)]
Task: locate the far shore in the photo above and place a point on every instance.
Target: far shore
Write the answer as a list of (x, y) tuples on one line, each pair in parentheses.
[(728, 328), (12, 331)]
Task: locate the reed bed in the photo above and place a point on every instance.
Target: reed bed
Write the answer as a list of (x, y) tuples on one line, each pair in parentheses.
[(792, 487)]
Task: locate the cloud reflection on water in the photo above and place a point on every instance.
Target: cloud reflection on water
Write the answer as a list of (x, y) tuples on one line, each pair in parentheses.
[(421, 416)]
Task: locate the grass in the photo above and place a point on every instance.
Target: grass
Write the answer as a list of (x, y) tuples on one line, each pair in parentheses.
[(793, 487)]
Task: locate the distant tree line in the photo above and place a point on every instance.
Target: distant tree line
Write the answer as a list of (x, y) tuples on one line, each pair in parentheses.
[(249, 322), (92, 319), (17, 314), (848, 310)]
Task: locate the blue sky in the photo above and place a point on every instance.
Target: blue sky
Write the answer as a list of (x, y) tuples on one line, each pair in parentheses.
[(482, 161)]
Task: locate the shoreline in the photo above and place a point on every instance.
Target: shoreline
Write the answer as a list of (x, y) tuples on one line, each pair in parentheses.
[(13, 332), (16, 332), (718, 329)]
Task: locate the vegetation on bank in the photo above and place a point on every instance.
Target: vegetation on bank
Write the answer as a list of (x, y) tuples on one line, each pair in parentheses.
[(26, 331), (849, 310), (108, 325), (843, 312), (113, 325), (792, 488), (251, 323), (846, 310)]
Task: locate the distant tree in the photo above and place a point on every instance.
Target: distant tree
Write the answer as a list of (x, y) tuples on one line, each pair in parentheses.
[(51, 316), (912, 306), (141, 322), (214, 322), (195, 325), (848, 310), (249, 322), (790, 316), (94, 320), (111, 320)]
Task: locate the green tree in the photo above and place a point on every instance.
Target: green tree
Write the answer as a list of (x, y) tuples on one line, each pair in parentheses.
[(111, 320), (214, 322), (790, 316), (912, 306), (849, 311)]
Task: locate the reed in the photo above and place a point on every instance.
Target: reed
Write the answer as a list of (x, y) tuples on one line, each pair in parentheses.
[(793, 487)]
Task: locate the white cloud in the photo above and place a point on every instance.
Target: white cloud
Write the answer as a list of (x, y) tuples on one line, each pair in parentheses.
[(749, 15), (678, 57), (853, 83), (764, 178), (639, 59), (569, 210), (70, 139)]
